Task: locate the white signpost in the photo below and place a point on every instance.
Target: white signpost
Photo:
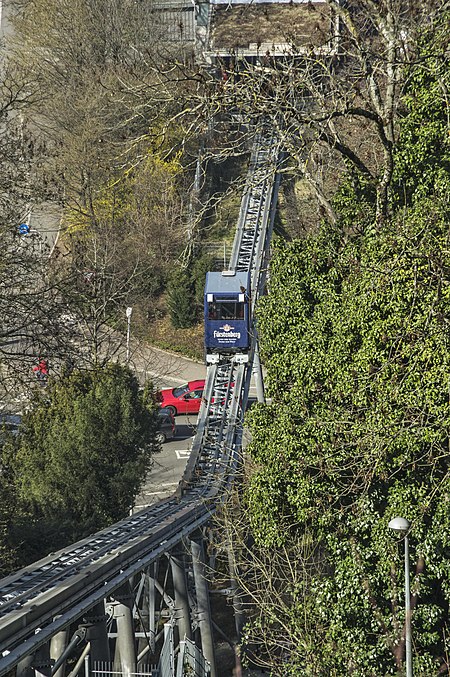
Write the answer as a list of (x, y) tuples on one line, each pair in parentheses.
[(129, 310)]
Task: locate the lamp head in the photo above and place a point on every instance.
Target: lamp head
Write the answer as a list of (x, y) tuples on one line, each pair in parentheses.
[(399, 524)]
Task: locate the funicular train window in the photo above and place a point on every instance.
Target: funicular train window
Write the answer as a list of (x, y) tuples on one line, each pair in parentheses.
[(226, 310)]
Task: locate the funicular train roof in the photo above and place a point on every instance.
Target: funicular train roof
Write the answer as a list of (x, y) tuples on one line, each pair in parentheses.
[(218, 283)]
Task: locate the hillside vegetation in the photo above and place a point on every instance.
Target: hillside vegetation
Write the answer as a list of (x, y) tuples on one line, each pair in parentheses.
[(355, 338), (137, 145)]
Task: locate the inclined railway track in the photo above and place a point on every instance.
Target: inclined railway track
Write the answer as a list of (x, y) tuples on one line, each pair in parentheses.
[(43, 598)]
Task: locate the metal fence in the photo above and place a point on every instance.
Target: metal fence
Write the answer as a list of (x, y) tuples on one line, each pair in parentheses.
[(166, 665), (175, 24), (191, 662), (114, 670)]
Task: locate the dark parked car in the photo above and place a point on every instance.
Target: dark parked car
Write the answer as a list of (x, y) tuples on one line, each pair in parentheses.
[(10, 422), (166, 425), (9, 425)]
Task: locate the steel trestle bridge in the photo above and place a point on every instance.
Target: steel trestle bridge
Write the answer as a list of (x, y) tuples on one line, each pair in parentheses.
[(108, 603)]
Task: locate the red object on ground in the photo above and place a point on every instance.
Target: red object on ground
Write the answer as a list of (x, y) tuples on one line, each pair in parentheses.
[(41, 370)]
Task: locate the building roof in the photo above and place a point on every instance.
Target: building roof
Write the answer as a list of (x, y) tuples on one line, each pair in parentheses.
[(269, 27)]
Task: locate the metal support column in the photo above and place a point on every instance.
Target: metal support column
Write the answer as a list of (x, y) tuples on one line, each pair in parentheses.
[(239, 616), (97, 634), (203, 606), (257, 373), (41, 663), (181, 609), (147, 613), (125, 645), (151, 603)]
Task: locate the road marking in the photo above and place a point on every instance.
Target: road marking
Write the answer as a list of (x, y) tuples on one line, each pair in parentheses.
[(162, 491), (182, 453), (169, 484)]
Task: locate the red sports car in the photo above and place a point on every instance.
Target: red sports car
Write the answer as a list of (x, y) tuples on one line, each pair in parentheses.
[(184, 399)]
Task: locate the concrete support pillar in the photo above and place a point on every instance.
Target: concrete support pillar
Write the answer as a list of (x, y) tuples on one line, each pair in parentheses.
[(58, 645), (182, 614), (25, 668), (125, 645), (203, 606)]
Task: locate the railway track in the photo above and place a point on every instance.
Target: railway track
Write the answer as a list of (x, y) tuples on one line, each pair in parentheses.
[(47, 596)]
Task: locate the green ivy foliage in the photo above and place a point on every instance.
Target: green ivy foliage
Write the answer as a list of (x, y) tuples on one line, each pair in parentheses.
[(355, 337), (423, 152)]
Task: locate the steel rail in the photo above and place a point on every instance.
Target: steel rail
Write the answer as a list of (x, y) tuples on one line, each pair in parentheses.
[(47, 596), (179, 516), (57, 566)]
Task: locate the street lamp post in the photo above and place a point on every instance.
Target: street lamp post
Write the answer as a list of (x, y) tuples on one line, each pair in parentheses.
[(400, 524), (129, 310)]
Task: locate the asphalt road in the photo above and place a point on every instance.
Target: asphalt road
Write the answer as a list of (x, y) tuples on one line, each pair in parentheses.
[(168, 371), (5, 27), (169, 464)]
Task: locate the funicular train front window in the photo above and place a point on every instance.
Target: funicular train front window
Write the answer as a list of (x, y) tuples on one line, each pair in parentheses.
[(226, 310)]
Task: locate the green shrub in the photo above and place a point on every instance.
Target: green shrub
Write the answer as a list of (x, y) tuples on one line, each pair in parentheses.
[(181, 299)]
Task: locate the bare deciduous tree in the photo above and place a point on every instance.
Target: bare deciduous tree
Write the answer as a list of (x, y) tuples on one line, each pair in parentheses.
[(335, 105)]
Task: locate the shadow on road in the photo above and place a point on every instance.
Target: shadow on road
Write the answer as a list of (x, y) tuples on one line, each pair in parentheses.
[(184, 429)]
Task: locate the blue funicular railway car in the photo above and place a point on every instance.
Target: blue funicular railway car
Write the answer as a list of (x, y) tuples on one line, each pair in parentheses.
[(227, 315)]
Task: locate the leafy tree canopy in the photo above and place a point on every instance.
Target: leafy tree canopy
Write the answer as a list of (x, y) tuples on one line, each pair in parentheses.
[(84, 451)]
